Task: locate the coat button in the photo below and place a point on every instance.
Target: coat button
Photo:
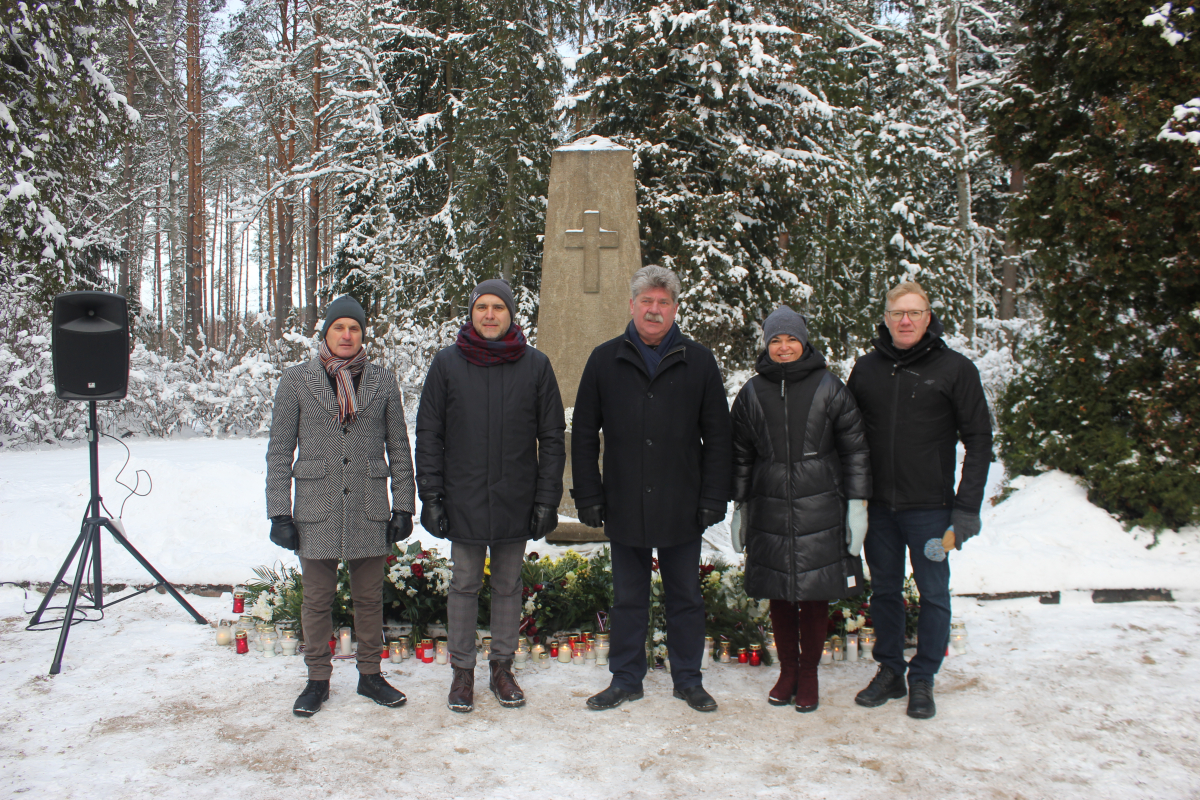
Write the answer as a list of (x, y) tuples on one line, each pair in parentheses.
[(650, 395), (345, 461), (346, 490), (345, 430), (649, 442), (649, 489)]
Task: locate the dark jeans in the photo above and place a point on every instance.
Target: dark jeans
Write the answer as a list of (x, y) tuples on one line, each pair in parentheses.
[(888, 534), (630, 617)]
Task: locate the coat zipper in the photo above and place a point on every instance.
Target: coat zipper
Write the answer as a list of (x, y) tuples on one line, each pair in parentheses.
[(787, 448), (895, 416)]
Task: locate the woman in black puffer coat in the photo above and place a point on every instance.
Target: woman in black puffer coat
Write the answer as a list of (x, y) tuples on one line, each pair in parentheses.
[(801, 477)]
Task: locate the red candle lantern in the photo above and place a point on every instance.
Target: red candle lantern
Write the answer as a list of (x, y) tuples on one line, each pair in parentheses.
[(755, 655), (332, 645), (742, 657), (239, 602), (243, 644)]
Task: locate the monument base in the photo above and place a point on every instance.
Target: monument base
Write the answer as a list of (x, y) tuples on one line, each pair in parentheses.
[(575, 533)]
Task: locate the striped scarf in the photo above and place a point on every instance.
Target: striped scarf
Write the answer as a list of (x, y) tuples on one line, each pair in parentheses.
[(344, 371)]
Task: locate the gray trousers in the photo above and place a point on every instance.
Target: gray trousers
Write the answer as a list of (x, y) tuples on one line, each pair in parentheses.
[(316, 613), (462, 605)]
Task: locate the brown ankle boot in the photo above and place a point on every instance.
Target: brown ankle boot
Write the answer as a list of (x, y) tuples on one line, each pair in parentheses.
[(462, 690), (814, 621), (785, 622), (504, 685)]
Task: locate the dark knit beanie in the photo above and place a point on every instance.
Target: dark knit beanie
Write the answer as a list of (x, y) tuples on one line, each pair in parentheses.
[(344, 306), (498, 287), (784, 320)]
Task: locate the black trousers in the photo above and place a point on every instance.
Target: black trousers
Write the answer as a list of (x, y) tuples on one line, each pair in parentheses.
[(630, 617)]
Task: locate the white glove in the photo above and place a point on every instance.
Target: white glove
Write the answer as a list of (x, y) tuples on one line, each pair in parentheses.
[(856, 525), (737, 536)]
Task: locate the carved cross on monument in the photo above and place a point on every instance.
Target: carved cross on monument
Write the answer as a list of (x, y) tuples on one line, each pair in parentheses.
[(590, 239)]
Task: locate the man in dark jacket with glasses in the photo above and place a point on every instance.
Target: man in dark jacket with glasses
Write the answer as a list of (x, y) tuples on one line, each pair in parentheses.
[(918, 398)]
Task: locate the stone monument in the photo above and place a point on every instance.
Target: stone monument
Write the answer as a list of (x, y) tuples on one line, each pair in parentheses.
[(590, 253)]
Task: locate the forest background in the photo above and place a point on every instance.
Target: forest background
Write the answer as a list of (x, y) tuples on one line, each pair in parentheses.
[(230, 167)]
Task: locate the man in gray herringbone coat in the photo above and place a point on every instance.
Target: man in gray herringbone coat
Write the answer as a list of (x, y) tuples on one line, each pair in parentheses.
[(337, 416)]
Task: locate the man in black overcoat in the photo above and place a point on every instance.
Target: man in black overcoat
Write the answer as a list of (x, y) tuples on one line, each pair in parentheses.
[(659, 399)]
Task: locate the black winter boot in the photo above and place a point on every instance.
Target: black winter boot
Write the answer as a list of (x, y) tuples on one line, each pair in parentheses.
[(886, 685), (920, 700), (309, 701), (379, 690)]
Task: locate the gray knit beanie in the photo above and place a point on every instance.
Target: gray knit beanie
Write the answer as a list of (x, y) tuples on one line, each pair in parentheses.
[(344, 306), (498, 287), (784, 320)]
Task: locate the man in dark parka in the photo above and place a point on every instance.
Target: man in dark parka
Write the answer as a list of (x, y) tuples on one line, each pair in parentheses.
[(918, 399), (490, 456), (659, 399)]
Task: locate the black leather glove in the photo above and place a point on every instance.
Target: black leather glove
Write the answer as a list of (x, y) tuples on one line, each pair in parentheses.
[(399, 527), (592, 516), (433, 517), (543, 520), (284, 533), (965, 525), (706, 517)]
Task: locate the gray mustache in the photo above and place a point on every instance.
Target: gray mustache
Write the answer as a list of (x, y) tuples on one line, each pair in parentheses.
[(651, 316)]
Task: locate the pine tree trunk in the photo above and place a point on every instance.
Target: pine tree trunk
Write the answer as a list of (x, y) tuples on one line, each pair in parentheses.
[(962, 177), (125, 282), (314, 201), (1008, 277), (194, 255)]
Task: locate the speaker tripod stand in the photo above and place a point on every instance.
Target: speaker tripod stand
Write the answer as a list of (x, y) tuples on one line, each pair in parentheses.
[(86, 546)]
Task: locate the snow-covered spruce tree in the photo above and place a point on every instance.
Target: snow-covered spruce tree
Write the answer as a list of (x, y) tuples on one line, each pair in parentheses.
[(59, 112), (723, 107), (467, 130), (936, 190), (1110, 205)]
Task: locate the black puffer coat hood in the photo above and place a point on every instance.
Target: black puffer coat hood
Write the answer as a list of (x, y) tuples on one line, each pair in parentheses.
[(800, 453)]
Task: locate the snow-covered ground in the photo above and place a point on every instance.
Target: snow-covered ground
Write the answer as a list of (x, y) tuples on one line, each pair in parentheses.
[(1071, 700)]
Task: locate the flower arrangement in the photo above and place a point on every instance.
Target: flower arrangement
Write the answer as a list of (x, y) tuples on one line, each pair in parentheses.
[(277, 594), (417, 583), (571, 592)]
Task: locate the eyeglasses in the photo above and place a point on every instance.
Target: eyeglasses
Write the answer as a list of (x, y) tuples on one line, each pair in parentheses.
[(915, 316)]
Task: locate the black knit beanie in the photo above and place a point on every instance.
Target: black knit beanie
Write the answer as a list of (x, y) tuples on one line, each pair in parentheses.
[(784, 320), (498, 287), (344, 306)]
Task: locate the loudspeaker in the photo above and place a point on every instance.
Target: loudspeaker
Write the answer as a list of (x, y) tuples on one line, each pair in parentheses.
[(90, 346)]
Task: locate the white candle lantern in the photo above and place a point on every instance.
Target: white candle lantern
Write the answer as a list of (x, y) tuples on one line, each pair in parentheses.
[(852, 647), (827, 653), (267, 643), (224, 632), (958, 638), (288, 643), (441, 657), (345, 647), (866, 642)]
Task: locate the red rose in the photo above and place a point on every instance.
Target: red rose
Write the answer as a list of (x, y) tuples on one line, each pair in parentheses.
[(424, 554), (533, 556), (539, 587), (391, 559), (418, 571)]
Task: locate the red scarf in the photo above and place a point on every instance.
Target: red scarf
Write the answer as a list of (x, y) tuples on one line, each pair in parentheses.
[(483, 353), (344, 371)]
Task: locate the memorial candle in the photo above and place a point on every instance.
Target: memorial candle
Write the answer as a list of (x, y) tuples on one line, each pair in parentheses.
[(243, 645), (345, 647)]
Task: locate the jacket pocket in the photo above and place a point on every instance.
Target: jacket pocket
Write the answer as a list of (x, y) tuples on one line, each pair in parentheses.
[(377, 507), (312, 494)]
